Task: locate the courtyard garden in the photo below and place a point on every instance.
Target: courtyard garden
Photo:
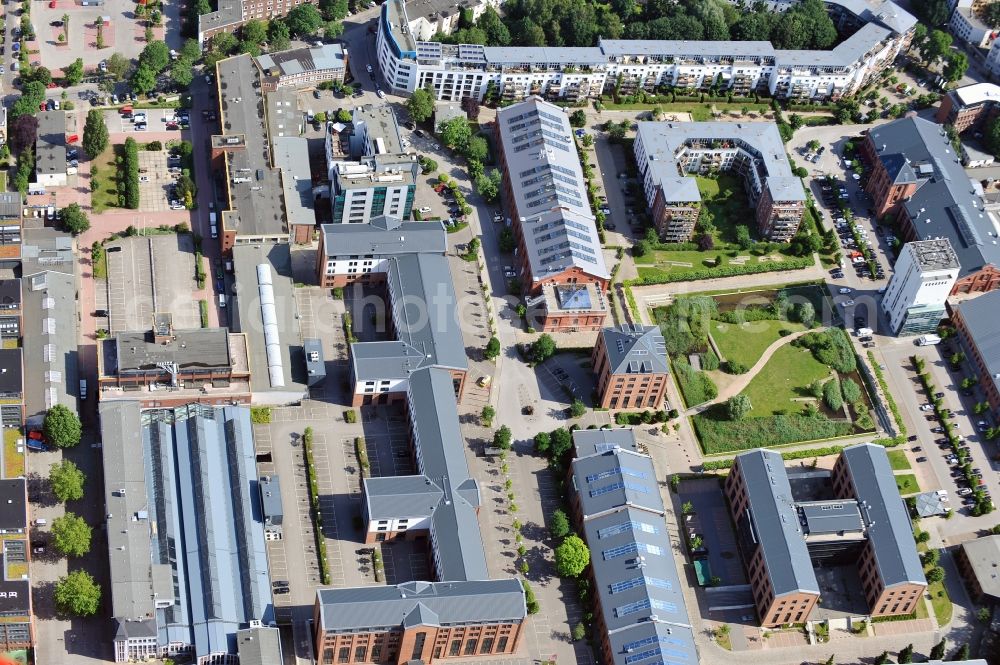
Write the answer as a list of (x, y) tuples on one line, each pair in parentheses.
[(726, 242), (808, 389)]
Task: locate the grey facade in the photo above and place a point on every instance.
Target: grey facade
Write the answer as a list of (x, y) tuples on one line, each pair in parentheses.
[(188, 562)]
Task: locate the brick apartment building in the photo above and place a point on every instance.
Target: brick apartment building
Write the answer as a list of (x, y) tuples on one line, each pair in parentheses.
[(17, 626), (863, 523), (976, 561), (969, 107), (561, 263), (916, 177), (233, 14), (667, 153), (419, 621), (976, 322), (892, 576), (630, 363)]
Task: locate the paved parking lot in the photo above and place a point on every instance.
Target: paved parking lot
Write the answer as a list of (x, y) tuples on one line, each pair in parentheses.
[(154, 181), (119, 36), (156, 121), (151, 274)]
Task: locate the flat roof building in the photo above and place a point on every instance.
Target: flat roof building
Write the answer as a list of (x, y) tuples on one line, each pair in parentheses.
[(918, 290), (977, 561), (259, 645), (667, 153), (16, 629), (10, 307), (50, 149), (186, 549)]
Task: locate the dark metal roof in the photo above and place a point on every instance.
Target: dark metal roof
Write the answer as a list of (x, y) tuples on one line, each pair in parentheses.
[(980, 316), (270, 498), (890, 532), (635, 349), (11, 371), (10, 293), (197, 348), (828, 517), (589, 441), (384, 236), (373, 607), (775, 524), (615, 478), (945, 204)]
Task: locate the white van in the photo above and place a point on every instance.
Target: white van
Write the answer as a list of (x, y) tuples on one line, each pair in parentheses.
[(83, 388), (865, 332), (215, 230), (928, 340), (222, 300), (41, 521), (212, 219)]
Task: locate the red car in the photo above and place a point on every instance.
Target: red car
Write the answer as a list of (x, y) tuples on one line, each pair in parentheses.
[(41, 107), (36, 435), (52, 85), (52, 4), (173, 125)]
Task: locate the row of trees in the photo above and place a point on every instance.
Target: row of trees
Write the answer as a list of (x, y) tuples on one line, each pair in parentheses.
[(256, 36), (805, 25), (128, 175)]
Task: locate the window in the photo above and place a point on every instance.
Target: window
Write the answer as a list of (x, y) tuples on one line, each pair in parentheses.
[(456, 645), (360, 653), (487, 645), (418, 646), (376, 652), (327, 656), (502, 643), (344, 655), (470, 647)]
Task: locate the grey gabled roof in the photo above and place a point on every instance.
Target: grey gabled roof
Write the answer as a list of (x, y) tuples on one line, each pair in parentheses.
[(373, 607), (548, 189), (890, 533), (301, 60), (775, 524), (653, 643), (980, 316), (586, 442), (406, 497), (635, 349), (618, 477), (384, 236), (945, 204)]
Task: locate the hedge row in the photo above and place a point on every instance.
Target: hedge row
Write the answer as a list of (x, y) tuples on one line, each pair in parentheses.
[(889, 399), (720, 464), (724, 271), (317, 517), (696, 386), (726, 436), (130, 175)]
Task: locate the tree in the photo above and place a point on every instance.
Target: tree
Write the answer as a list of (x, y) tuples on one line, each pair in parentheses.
[(559, 524), (577, 409), (73, 72), (830, 660), (832, 396), (23, 132), (561, 441), (738, 406), (182, 72), (334, 10), (492, 348), (332, 30), (935, 574), (906, 654), (303, 20), (934, 12), (956, 64), (476, 148), (984, 614), (279, 35), (579, 632), (937, 44), (542, 348), (923, 537), (420, 105), (71, 535), (578, 118), (66, 480), (118, 65), (144, 79), (705, 242), (95, 133), (455, 133), (488, 185), (75, 219), (156, 56), (743, 237), (572, 557), (502, 438), (61, 427), (805, 313), (487, 415), (962, 653), (189, 51), (253, 31), (687, 508), (78, 594), (542, 442), (882, 659), (937, 651)]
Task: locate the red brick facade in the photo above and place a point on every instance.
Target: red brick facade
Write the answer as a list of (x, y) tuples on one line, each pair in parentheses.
[(987, 385), (886, 195), (675, 221), (778, 220), (962, 118), (626, 391), (773, 612), (428, 644)]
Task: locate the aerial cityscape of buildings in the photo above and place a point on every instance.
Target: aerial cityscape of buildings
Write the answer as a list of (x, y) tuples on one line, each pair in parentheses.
[(347, 386)]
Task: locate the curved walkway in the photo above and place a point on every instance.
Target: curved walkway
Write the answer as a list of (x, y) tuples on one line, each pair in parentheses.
[(743, 380)]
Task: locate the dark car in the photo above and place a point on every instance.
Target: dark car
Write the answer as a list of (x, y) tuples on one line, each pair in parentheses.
[(937, 430), (101, 312), (939, 395), (280, 583), (921, 459), (916, 449), (281, 590)]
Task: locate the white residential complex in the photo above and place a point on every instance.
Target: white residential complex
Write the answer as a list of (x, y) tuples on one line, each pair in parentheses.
[(881, 30), (924, 276)]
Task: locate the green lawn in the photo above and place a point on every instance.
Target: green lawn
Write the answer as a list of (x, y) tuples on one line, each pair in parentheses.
[(699, 110), (783, 379), (724, 197), (3, 181), (907, 483), (103, 172), (746, 342), (898, 461)]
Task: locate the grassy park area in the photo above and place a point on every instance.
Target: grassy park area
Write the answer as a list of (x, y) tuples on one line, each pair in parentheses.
[(782, 384), (103, 174), (746, 342), (898, 461), (907, 483)]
